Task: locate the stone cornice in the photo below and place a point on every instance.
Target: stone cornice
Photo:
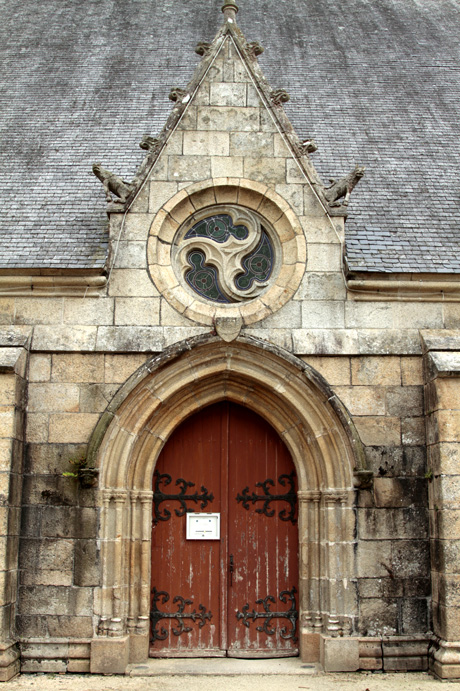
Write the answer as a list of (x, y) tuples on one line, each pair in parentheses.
[(26, 285), (414, 290)]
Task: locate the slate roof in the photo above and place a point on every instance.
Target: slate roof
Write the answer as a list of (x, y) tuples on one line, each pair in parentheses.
[(375, 82)]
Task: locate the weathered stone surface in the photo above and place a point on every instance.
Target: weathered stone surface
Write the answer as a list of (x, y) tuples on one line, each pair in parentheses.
[(321, 314), (71, 428), (400, 492), (377, 431), (373, 371), (77, 367), (335, 370), (130, 339), (87, 564), (109, 655)]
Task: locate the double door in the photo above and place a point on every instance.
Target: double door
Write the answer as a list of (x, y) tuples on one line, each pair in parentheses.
[(235, 595)]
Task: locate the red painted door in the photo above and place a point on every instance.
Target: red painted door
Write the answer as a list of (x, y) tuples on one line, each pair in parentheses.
[(237, 595)]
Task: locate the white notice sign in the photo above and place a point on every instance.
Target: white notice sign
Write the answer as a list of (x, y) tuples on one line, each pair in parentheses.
[(203, 526)]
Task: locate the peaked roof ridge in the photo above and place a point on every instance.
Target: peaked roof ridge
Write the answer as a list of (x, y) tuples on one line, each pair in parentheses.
[(273, 99)]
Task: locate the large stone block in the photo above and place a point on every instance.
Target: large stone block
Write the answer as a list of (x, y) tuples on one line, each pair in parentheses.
[(400, 492), (137, 311), (378, 617), (109, 655), (322, 314), (335, 370), (77, 367), (228, 118), (227, 94), (376, 371), (385, 524), (88, 311), (87, 565), (362, 400), (324, 258), (60, 338), (377, 431), (72, 427), (54, 398), (131, 255), (130, 339), (265, 169), (339, 654), (206, 143)]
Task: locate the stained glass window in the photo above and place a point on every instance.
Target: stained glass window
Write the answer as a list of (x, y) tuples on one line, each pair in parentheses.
[(213, 279)]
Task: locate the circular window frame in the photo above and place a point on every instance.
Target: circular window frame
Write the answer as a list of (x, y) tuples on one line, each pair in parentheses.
[(275, 214), (240, 215)]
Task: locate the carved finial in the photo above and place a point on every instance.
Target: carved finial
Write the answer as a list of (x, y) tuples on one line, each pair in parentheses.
[(202, 48), (339, 191), (309, 146), (230, 10), (148, 143), (280, 96), (177, 94)]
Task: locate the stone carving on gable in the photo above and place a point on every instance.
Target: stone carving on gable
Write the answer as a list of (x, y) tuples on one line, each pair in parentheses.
[(113, 185), (149, 143), (338, 193), (279, 96), (177, 94), (202, 48), (254, 49), (309, 146)]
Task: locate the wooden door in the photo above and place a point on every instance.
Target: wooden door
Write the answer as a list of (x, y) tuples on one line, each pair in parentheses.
[(235, 596)]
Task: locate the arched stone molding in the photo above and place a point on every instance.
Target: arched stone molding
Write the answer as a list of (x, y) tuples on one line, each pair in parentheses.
[(218, 192), (297, 402)]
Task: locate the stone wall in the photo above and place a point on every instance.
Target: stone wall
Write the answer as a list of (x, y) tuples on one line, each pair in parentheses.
[(229, 143)]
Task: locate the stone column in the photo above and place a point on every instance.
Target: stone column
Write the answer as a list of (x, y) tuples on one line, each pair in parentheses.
[(110, 649), (13, 361), (442, 409), (310, 573)]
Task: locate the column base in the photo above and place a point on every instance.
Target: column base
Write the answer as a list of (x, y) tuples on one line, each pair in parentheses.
[(109, 655), (10, 664), (138, 647), (339, 654), (445, 659)]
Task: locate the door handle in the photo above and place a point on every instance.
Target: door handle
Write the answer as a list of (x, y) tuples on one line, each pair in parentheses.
[(231, 569)]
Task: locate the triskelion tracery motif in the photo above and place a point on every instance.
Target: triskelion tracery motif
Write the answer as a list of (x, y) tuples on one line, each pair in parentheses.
[(224, 255), (245, 238)]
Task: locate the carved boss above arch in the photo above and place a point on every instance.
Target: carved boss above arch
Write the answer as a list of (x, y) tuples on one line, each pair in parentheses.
[(226, 250)]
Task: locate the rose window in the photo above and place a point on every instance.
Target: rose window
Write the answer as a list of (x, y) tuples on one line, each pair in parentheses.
[(225, 257)]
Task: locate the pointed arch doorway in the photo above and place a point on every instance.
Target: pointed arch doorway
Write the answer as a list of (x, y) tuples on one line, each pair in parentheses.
[(237, 593)]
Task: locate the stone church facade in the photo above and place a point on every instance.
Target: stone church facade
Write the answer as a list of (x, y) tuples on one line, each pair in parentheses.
[(357, 373)]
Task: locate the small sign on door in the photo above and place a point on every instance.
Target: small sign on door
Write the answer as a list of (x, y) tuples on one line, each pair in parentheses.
[(203, 526)]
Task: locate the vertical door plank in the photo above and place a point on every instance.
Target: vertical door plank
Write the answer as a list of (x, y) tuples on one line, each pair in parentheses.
[(189, 568), (264, 547)]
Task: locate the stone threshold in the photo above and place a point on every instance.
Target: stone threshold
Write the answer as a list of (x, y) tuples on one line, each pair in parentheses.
[(221, 667)]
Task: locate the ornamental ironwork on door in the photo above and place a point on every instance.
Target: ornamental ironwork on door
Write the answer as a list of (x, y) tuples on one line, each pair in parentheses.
[(231, 596)]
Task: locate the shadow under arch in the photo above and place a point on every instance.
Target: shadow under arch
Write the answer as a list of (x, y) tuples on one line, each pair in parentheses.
[(299, 405)]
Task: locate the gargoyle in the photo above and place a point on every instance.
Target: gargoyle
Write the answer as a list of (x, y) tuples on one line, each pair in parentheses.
[(254, 48), (202, 48), (177, 94), (342, 188), (279, 96), (113, 184)]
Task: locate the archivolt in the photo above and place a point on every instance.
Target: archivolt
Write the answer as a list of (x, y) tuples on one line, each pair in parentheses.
[(296, 402), (289, 394)]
